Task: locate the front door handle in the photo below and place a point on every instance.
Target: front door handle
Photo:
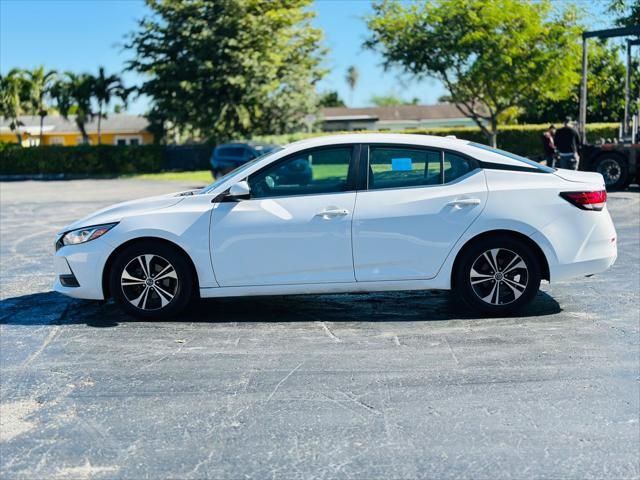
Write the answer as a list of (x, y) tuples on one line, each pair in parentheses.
[(333, 213), (464, 202)]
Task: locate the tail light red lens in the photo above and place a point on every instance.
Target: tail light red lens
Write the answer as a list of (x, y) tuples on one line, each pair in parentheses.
[(587, 200)]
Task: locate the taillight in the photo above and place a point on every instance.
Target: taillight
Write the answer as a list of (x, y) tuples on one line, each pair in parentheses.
[(586, 200)]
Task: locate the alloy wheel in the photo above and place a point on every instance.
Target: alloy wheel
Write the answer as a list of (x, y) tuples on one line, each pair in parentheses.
[(149, 282), (499, 276)]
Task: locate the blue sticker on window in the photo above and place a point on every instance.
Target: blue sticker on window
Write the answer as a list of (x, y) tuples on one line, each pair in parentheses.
[(401, 164)]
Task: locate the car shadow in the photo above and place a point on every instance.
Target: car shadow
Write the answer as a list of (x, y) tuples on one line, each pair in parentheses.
[(51, 308)]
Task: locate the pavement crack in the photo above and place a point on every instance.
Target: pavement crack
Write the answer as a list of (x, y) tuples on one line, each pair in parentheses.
[(360, 403), (451, 350), (329, 333), (50, 338), (283, 380)]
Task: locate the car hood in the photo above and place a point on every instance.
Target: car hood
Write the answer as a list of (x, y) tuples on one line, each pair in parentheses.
[(115, 213)]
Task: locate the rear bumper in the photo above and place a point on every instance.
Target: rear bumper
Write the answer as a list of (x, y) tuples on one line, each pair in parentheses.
[(581, 269), (579, 244)]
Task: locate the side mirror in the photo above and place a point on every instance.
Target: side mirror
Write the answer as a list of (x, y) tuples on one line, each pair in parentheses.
[(240, 191)]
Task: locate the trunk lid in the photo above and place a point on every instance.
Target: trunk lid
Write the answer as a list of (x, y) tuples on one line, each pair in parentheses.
[(591, 178)]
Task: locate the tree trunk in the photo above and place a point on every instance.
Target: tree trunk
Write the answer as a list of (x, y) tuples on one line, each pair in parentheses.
[(41, 126), (99, 123), (83, 132), (492, 135)]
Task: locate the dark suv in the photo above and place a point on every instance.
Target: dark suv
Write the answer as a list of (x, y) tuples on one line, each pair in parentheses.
[(229, 156)]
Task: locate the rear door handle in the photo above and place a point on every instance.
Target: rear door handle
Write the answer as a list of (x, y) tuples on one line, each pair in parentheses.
[(464, 202), (333, 213)]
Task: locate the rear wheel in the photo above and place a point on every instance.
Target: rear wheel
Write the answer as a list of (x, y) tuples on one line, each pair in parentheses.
[(151, 279), (497, 276), (613, 169)]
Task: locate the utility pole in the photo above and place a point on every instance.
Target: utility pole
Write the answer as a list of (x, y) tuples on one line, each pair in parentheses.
[(582, 120)]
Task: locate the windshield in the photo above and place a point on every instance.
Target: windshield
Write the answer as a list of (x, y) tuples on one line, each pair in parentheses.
[(241, 168), (513, 156)]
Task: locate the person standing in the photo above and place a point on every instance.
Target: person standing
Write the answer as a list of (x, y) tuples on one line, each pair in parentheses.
[(567, 141), (549, 146)]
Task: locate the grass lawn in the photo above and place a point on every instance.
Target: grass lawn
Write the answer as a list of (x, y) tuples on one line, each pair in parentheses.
[(204, 176), (201, 177), (320, 172)]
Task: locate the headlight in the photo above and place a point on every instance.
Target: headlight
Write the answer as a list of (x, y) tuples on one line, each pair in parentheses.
[(83, 235)]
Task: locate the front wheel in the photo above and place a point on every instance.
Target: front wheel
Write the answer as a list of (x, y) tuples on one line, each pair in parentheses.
[(150, 279), (497, 276)]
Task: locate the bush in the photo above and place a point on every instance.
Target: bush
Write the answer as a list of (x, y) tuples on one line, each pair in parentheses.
[(520, 139), (84, 160)]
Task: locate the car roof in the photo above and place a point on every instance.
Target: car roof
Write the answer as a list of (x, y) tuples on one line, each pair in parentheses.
[(246, 144), (446, 143), (398, 138), (449, 143)]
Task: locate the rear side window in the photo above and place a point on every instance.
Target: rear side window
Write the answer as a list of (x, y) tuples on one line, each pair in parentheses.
[(403, 167)]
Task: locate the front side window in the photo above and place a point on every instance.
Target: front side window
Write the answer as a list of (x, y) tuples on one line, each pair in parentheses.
[(308, 173), (391, 167)]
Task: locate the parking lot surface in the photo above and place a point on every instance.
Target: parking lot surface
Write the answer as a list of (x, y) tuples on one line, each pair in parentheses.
[(390, 385)]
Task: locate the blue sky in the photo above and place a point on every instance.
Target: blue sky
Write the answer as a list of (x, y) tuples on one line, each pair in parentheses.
[(80, 35)]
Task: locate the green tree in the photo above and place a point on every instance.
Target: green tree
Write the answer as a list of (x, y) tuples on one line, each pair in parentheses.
[(229, 68), (105, 87), (391, 100), (352, 78), (40, 82), (330, 99), (73, 94), (491, 55), (605, 84), (627, 12), (13, 104)]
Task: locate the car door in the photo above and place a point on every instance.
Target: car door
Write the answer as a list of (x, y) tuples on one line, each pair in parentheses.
[(296, 226), (417, 204)]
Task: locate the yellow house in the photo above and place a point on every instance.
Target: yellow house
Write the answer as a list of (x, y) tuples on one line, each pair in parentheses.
[(116, 129)]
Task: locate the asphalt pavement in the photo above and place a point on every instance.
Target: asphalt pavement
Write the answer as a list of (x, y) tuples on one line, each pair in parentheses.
[(385, 386)]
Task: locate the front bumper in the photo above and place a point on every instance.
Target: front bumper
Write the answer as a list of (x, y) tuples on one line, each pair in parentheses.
[(86, 263)]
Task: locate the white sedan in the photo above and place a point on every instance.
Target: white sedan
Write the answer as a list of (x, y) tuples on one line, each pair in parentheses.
[(348, 213)]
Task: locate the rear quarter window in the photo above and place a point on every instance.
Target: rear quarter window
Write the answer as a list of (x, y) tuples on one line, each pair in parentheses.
[(513, 156)]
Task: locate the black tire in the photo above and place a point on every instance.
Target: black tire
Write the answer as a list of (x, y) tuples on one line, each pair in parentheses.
[(215, 173), (494, 293), (614, 170), (166, 295)]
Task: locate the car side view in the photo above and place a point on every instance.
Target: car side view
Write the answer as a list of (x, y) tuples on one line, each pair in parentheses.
[(348, 213)]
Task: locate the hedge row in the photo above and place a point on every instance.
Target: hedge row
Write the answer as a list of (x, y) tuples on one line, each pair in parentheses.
[(81, 160), (520, 139), (113, 160)]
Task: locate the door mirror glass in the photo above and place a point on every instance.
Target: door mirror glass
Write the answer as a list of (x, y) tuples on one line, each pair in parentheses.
[(240, 190)]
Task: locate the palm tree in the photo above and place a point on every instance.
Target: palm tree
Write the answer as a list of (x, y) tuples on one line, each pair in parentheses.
[(104, 87), (40, 83), (12, 100), (352, 80), (73, 95)]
